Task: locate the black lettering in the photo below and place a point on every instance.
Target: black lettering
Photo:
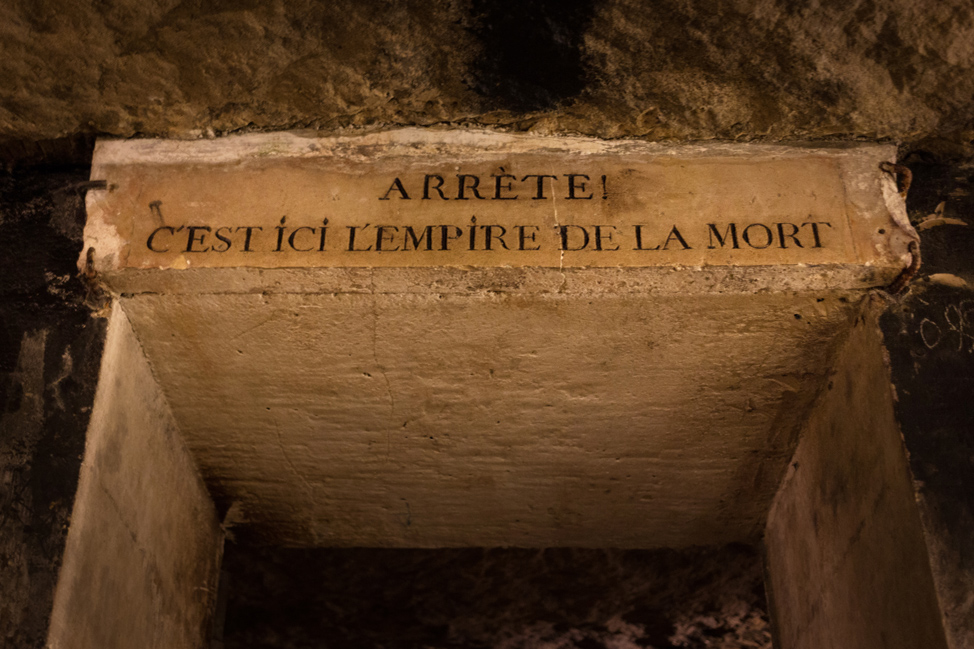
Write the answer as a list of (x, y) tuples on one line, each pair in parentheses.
[(490, 236), (675, 234), (722, 240), (445, 237), (473, 233), (769, 238), (411, 235), (522, 238), (767, 233), (605, 192), (381, 237), (599, 236), (149, 241), (498, 186), (572, 187), (438, 188), (247, 238), (540, 195), (639, 238), (193, 238), (815, 232), (280, 234), (563, 231), (290, 239), (462, 186), (324, 232), (396, 185), (351, 237), (791, 235), (222, 238)]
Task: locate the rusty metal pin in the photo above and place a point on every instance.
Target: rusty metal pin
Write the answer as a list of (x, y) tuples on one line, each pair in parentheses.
[(908, 273), (902, 175)]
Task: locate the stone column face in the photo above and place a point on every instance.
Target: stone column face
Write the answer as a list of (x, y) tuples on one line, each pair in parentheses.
[(846, 558), (927, 338), (142, 558)]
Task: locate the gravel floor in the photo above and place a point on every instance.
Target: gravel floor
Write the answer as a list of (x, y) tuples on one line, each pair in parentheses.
[(498, 598)]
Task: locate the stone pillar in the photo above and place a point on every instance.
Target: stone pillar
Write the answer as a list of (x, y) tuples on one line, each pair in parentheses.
[(142, 558), (846, 557), (871, 539)]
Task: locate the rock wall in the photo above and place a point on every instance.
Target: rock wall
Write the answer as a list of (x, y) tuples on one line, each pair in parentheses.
[(674, 69), (930, 337), (50, 347)]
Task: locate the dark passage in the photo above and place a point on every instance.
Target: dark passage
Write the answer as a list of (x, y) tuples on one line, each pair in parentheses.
[(505, 598), (50, 351), (531, 55)]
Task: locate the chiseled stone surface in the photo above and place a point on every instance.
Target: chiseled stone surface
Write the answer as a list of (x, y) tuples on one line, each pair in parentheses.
[(681, 69), (142, 557), (460, 198), (356, 397), (491, 418), (847, 559)]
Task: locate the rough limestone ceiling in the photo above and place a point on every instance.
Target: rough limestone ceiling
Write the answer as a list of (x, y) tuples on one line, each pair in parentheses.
[(670, 69)]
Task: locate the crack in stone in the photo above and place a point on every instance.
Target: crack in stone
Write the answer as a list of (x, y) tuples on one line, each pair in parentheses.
[(561, 253), (375, 353), (67, 367), (554, 209), (313, 528)]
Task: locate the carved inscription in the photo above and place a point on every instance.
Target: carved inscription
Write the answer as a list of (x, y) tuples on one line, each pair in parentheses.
[(604, 213), (477, 237)]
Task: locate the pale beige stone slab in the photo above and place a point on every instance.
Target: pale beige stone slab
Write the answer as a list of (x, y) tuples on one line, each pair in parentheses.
[(465, 199), (142, 557), (428, 398), (492, 419), (846, 556)]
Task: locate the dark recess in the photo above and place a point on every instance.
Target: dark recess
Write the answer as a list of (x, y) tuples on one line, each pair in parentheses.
[(479, 598), (63, 155), (930, 338), (41, 298), (531, 56)]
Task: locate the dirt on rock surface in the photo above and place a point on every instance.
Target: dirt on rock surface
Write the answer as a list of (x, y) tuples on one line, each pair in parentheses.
[(669, 70)]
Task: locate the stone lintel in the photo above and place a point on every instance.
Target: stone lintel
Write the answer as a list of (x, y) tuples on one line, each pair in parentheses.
[(306, 213)]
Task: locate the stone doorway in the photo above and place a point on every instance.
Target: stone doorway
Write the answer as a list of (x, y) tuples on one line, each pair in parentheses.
[(627, 407), (145, 528)]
